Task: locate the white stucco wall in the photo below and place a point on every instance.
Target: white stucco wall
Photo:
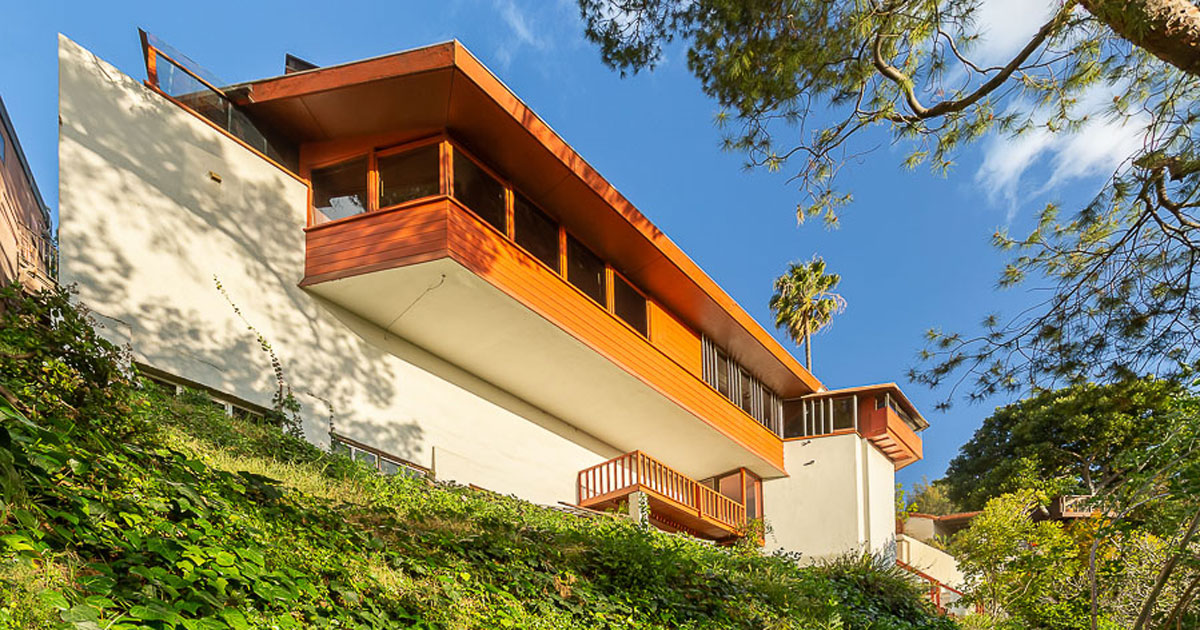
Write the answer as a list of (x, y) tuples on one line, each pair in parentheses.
[(934, 562), (144, 230), (838, 498)]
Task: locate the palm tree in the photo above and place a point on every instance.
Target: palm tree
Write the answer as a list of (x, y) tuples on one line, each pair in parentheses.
[(804, 302)]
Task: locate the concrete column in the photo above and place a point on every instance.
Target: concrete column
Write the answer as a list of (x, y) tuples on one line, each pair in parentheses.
[(635, 508)]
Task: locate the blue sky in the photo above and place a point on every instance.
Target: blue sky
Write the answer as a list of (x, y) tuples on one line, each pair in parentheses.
[(913, 249)]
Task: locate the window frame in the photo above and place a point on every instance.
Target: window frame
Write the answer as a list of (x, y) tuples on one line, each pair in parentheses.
[(558, 235), (612, 304), (506, 185), (354, 446), (447, 148), (399, 149), (340, 159), (373, 154), (605, 301)]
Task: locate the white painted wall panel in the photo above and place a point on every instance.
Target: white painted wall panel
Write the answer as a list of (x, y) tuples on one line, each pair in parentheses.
[(144, 230)]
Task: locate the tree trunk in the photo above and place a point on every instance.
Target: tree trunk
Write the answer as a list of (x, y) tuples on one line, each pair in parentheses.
[(807, 350), (1167, 29)]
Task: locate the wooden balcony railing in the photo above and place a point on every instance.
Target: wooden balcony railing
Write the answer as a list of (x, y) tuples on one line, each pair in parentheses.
[(637, 472), (943, 596)]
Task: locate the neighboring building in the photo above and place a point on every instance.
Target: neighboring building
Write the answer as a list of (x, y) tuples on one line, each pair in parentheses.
[(451, 288), (26, 246), (926, 527)]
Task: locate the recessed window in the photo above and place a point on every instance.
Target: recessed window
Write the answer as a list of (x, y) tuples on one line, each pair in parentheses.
[(723, 375), (793, 419), (479, 191), (366, 457), (629, 305), (408, 175), (586, 271), (747, 392), (340, 190), (843, 413), (767, 405), (535, 231)]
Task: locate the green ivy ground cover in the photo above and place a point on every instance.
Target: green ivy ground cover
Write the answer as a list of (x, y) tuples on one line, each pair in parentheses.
[(121, 507)]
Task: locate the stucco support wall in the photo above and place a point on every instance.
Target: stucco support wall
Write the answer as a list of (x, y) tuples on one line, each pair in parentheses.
[(838, 498), (145, 230), (931, 561)]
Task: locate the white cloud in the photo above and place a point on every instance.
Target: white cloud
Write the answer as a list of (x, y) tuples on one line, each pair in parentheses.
[(518, 23), (522, 31), (1007, 25), (1015, 169)]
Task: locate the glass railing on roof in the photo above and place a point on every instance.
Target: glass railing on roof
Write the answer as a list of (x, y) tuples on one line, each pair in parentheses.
[(182, 80)]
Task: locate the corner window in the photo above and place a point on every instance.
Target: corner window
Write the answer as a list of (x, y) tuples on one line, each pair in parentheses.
[(339, 190), (586, 271), (536, 232), (629, 305), (408, 175), (479, 191)]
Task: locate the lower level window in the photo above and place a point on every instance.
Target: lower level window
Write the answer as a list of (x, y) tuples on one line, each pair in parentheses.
[(380, 461)]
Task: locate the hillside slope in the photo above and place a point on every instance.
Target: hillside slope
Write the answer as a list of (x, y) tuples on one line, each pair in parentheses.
[(122, 507)]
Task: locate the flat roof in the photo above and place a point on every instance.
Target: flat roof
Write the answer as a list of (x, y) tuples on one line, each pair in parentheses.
[(443, 87)]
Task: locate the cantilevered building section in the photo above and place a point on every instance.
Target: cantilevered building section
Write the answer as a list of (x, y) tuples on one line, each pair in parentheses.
[(456, 292)]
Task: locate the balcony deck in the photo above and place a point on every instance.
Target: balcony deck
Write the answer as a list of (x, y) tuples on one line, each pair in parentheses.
[(677, 502)]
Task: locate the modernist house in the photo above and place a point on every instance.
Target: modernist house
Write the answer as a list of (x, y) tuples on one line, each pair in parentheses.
[(452, 290), (26, 247)]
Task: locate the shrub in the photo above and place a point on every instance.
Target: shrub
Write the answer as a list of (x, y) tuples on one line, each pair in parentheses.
[(126, 508)]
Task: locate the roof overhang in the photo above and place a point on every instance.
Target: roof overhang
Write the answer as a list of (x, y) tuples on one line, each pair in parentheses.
[(419, 92)]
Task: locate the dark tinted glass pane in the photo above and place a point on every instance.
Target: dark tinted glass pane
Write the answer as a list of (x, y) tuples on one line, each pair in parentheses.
[(2, 147), (536, 232), (793, 418), (366, 458), (629, 305), (409, 175), (747, 392), (751, 494), (723, 375), (843, 413), (585, 270), (479, 191), (388, 467), (340, 448), (767, 405), (340, 191)]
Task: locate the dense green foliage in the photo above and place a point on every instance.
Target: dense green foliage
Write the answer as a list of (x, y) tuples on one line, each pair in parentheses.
[(1075, 440), (1132, 449), (1031, 573), (123, 507), (932, 497)]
